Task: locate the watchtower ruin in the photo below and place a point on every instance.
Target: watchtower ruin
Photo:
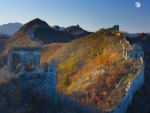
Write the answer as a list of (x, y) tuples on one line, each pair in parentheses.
[(24, 60), (134, 53)]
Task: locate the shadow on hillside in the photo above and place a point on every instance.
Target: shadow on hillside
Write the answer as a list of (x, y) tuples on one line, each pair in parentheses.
[(23, 96), (16, 97), (67, 105)]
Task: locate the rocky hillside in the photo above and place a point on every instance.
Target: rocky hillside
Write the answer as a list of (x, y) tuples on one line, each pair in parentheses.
[(48, 50), (90, 69), (3, 40)]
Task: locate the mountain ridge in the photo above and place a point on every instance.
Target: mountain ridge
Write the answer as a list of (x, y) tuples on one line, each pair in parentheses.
[(39, 30)]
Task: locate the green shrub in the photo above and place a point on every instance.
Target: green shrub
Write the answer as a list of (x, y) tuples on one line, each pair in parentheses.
[(66, 80)]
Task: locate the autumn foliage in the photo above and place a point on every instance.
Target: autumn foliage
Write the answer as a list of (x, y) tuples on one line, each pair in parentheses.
[(92, 69)]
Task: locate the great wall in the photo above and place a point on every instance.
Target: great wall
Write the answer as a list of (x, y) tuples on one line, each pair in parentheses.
[(138, 80), (25, 63), (31, 57)]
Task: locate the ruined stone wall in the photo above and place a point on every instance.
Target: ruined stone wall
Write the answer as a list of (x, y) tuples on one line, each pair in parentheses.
[(48, 88), (51, 79), (25, 57), (135, 85)]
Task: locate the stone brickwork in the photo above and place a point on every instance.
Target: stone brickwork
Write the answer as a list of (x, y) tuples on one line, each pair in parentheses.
[(52, 81), (116, 27), (134, 53), (25, 57), (32, 56), (135, 85)]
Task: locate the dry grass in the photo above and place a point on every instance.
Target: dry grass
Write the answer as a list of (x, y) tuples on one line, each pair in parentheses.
[(90, 68), (21, 42), (48, 50)]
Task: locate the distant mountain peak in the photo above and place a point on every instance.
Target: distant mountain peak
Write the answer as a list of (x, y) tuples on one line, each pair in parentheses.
[(10, 28), (76, 30), (37, 21), (39, 30), (32, 25)]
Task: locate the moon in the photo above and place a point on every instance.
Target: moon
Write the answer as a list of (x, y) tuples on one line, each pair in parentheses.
[(137, 4)]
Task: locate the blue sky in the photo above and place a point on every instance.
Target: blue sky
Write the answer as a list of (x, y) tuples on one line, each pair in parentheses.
[(89, 14)]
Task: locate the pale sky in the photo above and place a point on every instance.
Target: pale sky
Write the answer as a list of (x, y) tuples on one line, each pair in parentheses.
[(89, 14)]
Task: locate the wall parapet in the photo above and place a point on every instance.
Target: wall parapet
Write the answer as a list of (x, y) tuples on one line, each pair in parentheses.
[(136, 84)]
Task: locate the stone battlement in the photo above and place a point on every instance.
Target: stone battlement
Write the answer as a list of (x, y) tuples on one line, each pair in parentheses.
[(24, 60), (26, 64)]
